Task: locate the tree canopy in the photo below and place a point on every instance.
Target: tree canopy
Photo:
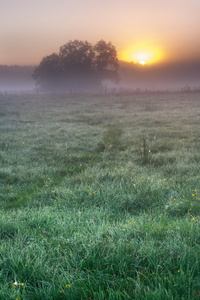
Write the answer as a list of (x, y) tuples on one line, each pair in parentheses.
[(78, 66)]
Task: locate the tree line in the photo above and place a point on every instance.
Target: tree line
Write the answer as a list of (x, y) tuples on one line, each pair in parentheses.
[(79, 65)]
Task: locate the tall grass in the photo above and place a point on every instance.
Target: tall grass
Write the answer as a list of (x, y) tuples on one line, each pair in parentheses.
[(100, 197)]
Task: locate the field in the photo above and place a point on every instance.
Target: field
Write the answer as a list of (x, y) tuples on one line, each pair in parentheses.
[(100, 196)]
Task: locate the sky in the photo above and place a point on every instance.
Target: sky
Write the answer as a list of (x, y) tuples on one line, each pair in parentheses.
[(143, 31)]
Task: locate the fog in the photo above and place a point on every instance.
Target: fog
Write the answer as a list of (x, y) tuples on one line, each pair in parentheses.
[(16, 78), (175, 76), (166, 76)]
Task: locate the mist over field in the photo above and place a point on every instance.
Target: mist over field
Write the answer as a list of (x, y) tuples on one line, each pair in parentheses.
[(167, 76), (174, 76), (16, 78)]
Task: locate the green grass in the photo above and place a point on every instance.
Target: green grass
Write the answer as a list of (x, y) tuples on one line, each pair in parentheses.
[(100, 197)]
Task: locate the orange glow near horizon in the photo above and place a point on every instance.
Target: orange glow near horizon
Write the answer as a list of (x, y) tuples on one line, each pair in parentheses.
[(142, 54)]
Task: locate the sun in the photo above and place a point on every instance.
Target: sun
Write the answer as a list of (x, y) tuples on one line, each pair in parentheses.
[(143, 54), (142, 62), (142, 57)]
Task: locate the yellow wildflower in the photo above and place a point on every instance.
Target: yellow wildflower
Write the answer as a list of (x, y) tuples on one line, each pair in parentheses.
[(68, 286)]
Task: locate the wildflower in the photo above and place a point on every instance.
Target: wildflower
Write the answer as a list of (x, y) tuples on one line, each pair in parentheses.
[(193, 219), (15, 283), (178, 271), (61, 292), (174, 199), (68, 286), (178, 256), (192, 195), (171, 251), (44, 232), (131, 223), (195, 190), (26, 265), (181, 202)]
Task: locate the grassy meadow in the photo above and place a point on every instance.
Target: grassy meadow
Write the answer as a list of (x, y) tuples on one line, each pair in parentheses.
[(100, 196)]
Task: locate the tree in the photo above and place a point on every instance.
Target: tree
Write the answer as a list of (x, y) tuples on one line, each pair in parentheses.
[(106, 61), (79, 66), (49, 73), (77, 63), (77, 56)]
